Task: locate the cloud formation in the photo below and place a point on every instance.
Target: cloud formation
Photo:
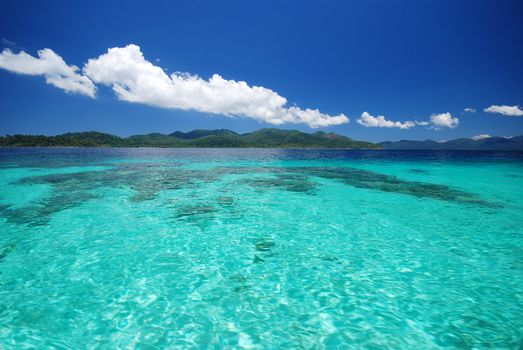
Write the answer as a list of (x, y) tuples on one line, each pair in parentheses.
[(52, 67), (437, 122), (481, 137), (469, 110), (443, 120), (370, 121), (134, 79), (513, 111)]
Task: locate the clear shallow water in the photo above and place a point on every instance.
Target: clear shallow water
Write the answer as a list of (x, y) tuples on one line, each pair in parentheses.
[(159, 248)]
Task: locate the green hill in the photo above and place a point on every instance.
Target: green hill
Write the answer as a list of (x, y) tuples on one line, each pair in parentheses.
[(222, 138), (198, 133), (78, 139)]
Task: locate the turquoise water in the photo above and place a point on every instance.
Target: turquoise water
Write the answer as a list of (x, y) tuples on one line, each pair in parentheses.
[(260, 249)]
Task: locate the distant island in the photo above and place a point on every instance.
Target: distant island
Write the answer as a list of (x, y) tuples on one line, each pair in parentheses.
[(263, 138), (222, 138), (487, 144)]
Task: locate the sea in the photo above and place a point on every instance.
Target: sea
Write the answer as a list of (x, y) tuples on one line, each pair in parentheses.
[(151, 248)]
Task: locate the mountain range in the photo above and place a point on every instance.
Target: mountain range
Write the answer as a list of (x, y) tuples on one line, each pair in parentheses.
[(221, 138), (263, 138), (488, 143)]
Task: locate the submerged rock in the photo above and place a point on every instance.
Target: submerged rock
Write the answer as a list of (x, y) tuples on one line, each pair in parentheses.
[(288, 182), (201, 215), (8, 248), (257, 260), (264, 245), (225, 201), (418, 171), (240, 283), (196, 210), (330, 258)]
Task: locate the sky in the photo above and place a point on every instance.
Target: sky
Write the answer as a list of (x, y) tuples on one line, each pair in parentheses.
[(369, 69)]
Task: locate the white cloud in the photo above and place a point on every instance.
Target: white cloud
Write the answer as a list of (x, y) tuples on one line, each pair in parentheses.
[(134, 79), (422, 123), (513, 111), (444, 120), (370, 121), (469, 110), (481, 137), (52, 67)]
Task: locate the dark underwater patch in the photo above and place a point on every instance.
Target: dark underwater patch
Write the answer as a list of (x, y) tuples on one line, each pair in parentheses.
[(201, 215), (264, 244), (146, 179), (258, 260), (418, 171), (387, 183), (150, 179), (286, 181), (225, 201), (6, 250), (240, 283), (329, 258), (263, 248), (196, 210), (40, 214)]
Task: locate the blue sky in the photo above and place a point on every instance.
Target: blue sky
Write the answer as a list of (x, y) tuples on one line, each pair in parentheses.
[(404, 60)]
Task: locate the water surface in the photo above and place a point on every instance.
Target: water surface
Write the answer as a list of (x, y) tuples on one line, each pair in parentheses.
[(263, 249)]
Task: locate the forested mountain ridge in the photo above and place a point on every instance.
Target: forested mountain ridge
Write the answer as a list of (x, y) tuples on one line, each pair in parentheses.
[(221, 138)]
